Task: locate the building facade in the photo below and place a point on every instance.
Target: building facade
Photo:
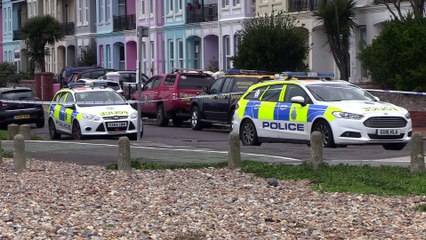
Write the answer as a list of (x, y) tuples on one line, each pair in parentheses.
[(194, 34)]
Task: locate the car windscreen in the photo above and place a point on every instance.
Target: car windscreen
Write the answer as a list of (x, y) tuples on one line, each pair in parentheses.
[(339, 92), (18, 94), (128, 77), (242, 84), (99, 98), (194, 82)]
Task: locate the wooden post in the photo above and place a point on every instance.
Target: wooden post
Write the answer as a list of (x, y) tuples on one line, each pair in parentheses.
[(234, 154), (124, 163), (19, 161), (417, 163), (316, 149)]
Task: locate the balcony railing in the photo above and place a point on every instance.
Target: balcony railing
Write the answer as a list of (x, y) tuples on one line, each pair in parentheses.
[(124, 22), (68, 28), (17, 35), (303, 5), (203, 13)]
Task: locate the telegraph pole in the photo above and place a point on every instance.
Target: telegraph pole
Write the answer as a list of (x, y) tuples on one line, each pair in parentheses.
[(141, 32)]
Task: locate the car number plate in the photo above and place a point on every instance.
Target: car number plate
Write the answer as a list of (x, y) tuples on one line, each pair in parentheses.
[(22, 116), (117, 124), (388, 132)]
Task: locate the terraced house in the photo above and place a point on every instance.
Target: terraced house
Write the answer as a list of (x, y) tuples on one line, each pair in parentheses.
[(199, 34)]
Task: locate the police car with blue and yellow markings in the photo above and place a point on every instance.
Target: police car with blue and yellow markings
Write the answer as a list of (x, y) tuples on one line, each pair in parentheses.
[(82, 111), (290, 110)]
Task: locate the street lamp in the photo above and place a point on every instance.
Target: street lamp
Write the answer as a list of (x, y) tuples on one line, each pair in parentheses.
[(141, 32)]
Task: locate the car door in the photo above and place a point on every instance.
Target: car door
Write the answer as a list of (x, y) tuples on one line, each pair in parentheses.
[(149, 95), (293, 117), (209, 103)]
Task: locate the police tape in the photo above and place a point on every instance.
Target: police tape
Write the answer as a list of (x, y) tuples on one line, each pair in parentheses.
[(232, 95), (394, 91)]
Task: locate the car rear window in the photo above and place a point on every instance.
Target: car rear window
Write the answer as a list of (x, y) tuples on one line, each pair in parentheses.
[(194, 82), (18, 94)]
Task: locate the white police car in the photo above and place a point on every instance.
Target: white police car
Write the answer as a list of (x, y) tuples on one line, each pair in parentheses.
[(290, 110), (82, 111)]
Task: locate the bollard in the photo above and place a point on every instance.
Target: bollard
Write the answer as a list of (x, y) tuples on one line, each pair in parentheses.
[(234, 154), (417, 163), (316, 149), (13, 130), (19, 161), (25, 130), (124, 163)]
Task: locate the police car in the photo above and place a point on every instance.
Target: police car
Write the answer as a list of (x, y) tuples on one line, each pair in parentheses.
[(82, 111), (290, 110)]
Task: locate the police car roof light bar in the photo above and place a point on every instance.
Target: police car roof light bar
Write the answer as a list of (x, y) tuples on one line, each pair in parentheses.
[(235, 71), (316, 75)]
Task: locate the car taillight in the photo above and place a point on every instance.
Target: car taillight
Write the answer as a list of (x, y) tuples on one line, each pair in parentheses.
[(4, 105)]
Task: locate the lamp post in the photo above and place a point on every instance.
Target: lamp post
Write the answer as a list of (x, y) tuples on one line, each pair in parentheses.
[(141, 32)]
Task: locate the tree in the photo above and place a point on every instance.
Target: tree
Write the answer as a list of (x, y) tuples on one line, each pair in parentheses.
[(337, 17), (37, 32), (272, 43), (417, 6), (396, 59)]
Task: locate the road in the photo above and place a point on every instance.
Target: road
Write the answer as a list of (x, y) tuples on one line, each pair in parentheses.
[(182, 144)]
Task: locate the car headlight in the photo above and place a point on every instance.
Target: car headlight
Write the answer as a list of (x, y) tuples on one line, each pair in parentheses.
[(134, 115), (348, 115), (91, 117), (407, 115)]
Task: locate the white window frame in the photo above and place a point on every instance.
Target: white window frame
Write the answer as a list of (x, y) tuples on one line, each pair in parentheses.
[(101, 11), (180, 54), (171, 54), (108, 56), (225, 3), (179, 7), (108, 12), (170, 6), (142, 8), (236, 3), (227, 52), (151, 8), (86, 12)]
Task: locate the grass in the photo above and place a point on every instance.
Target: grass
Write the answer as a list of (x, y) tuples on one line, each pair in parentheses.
[(4, 135), (383, 180)]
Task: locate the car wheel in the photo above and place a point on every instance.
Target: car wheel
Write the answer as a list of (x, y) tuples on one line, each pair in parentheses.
[(76, 131), (40, 123), (248, 133), (162, 121), (327, 134), (177, 121), (52, 131), (196, 123), (394, 146)]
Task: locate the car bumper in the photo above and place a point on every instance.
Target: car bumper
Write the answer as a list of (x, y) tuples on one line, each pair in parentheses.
[(21, 116), (92, 128), (355, 132)]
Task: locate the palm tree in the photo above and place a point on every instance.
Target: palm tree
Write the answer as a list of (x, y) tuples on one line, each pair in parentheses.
[(37, 32), (337, 17)]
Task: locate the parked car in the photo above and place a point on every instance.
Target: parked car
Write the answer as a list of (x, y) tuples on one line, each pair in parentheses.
[(168, 96), (88, 74), (19, 112), (126, 79), (216, 104), (65, 74), (345, 114), (83, 111)]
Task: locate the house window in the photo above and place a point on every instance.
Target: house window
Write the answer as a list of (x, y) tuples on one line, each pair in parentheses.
[(363, 43), (180, 53), (171, 54), (86, 12), (143, 56), (101, 55), (108, 56), (143, 7), (236, 2), (108, 12), (225, 3), (101, 11), (151, 7), (227, 52), (179, 5), (171, 5), (237, 42), (122, 7)]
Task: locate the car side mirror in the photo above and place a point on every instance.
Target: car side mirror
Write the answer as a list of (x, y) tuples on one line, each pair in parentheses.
[(298, 99)]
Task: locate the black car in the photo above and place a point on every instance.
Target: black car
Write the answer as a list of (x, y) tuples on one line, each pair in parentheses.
[(216, 104), (19, 112)]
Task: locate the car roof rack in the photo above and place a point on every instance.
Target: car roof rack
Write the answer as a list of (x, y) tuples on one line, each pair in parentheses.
[(305, 75), (235, 71)]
